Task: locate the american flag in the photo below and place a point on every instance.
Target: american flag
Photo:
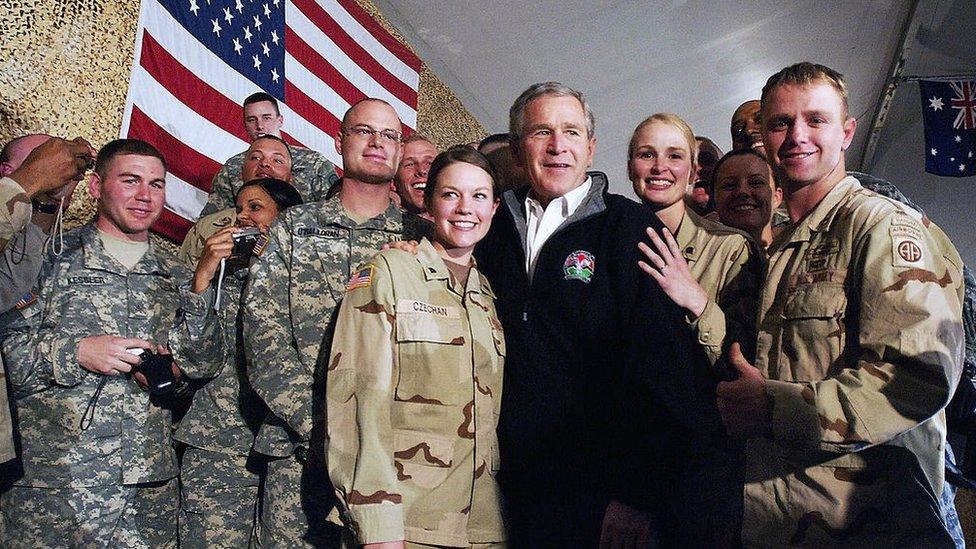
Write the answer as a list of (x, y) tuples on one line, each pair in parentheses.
[(196, 61), (949, 116)]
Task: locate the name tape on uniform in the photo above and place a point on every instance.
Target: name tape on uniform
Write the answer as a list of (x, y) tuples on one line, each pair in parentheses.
[(408, 306)]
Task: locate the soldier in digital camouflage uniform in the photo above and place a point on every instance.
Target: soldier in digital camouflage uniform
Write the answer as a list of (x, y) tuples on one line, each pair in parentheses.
[(27, 213), (415, 382), (312, 173), (219, 477), (99, 465), (267, 156), (859, 349), (294, 290)]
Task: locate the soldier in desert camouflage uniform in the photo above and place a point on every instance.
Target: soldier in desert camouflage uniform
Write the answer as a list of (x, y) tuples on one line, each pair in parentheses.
[(860, 347), (98, 460), (267, 157), (415, 379), (294, 290), (219, 476), (312, 173)]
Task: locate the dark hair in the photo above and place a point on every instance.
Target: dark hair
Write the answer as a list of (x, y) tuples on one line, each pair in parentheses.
[(283, 194), (492, 139), (275, 138), (261, 96), (731, 154), (121, 147), (454, 155)]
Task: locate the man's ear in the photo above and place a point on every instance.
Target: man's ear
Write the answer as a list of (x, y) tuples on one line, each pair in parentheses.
[(850, 126), (95, 185)]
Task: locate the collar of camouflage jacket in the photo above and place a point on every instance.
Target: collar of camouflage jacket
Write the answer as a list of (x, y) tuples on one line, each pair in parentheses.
[(391, 220), (96, 257), (435, 269), (821, 215)]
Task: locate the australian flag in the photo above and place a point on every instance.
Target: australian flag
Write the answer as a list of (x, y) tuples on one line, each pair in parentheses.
[(949, 114)]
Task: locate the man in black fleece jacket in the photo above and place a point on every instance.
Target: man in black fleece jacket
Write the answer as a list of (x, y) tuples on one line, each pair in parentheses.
[(608, 416)]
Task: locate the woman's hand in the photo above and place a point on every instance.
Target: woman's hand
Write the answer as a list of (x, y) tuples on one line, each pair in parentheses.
[(669, 268), (217, 247)]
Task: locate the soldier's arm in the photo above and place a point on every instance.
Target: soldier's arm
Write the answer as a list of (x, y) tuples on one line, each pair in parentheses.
[(15, 210), (732, 317), (274, 368), (222, 189), (906, 348), (20, 265), (196, 338), (359, 393)]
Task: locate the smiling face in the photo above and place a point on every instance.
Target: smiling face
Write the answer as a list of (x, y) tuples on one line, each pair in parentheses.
[(266, 158), (462, 206), (130, 195), (553, 145), (660, 165), (411, 176), (746, 128), (745, 195), (806, 131), (369, 152), (262, 118), (255, 207)]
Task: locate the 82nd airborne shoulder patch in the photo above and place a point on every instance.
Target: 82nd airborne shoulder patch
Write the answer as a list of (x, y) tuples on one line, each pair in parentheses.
[(579, 265)]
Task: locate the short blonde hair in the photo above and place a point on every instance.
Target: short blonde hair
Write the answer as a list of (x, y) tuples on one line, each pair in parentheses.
[(805, 74), (670, 119)]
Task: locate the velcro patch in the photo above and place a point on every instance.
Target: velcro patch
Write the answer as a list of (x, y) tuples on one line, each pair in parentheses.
[(907, 245), (361, 278), (25, 301), (260, 244), (84, 280), (419, 307)]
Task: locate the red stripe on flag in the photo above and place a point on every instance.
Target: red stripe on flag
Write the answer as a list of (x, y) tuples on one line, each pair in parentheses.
[(307, 108), (172, 226), (360, 56), (290, 139), (182, 161), (189, 89), (381, 34), (319, 66)]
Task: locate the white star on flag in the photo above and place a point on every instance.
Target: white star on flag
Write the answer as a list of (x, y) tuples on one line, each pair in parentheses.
[(216, 27), (935, 103), (267, 11), (274, 74), (194, 7), (274, 37), (257, 23), (962, 167), (958, 139), (239, 6), (266, 49), (276, 2), (227, 16), (952, 159), (238, 47), (970, 155), (935, 152), (247, 34), (257, 63)]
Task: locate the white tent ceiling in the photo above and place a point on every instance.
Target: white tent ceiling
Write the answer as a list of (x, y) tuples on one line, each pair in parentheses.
[(701, 59)]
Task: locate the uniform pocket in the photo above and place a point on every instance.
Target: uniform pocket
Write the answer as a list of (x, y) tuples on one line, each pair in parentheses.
[(430, 353), (813, 329)]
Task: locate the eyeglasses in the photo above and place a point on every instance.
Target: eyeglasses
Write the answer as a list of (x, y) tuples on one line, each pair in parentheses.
[(366, 133)]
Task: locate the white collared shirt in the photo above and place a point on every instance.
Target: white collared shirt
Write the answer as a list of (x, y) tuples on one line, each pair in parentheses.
[(542, 222)]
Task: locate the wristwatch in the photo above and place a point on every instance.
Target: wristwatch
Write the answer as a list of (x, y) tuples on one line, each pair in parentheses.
[(49, 208)]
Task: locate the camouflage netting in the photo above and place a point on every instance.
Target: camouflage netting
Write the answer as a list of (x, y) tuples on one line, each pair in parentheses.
[(64, 70)]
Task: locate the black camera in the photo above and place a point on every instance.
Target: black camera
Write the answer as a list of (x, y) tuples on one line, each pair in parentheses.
[(247, 242), (158, 370)]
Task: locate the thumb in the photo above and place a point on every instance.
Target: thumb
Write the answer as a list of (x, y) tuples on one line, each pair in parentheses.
[(739, 362)]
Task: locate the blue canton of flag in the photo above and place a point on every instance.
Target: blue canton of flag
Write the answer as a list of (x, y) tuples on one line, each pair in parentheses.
[(949, 115), (248, 35)]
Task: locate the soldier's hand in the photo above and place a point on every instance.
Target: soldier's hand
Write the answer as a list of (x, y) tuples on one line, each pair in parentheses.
[(217, 247), (671, 272), (107, 354), (385, 545), (409, 246), (625, 527), (743, 403), (52, 165), (140, 378)]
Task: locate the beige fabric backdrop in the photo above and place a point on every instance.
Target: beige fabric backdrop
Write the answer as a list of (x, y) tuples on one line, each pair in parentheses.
[(64, 70)]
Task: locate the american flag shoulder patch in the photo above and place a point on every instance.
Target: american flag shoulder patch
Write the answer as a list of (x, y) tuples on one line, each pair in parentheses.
[(25, 301), (361, 278)]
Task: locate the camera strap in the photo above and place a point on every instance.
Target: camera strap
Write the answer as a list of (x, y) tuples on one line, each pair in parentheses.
[(220, 283), (89, 415), (57, 248)]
